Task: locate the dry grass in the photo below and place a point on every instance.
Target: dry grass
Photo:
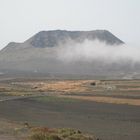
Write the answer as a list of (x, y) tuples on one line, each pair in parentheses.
[(79, 87), (58, 86), (135, 102), (65, 86), (58, 134)]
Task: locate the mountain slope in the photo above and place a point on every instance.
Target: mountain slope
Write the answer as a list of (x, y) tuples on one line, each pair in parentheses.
[(39, 52), (53, 38), (50, 39)]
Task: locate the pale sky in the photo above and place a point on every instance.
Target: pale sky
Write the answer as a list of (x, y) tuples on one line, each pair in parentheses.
[(21, 19)]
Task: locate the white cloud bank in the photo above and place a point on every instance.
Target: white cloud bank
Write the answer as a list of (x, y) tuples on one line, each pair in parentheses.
[(89, 51)]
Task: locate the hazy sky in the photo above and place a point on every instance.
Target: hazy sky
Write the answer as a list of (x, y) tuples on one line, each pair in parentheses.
[(20, 19)]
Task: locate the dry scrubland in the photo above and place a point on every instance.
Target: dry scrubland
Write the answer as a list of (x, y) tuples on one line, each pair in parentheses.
[(28, 99), (116, 92), (13, 131)]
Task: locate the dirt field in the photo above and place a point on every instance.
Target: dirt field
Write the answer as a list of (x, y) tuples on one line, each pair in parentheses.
[(106, 121), (109, 109)]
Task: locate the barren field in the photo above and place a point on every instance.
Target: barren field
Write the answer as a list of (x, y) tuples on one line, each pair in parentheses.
[(109, 109)]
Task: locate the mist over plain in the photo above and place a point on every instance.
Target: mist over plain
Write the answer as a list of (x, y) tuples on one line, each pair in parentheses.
[(89, 51)]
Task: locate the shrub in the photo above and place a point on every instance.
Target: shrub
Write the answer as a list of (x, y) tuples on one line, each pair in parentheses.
[(58, 134)]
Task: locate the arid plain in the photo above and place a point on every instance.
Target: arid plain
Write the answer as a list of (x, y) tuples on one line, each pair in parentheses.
[(108, 109)]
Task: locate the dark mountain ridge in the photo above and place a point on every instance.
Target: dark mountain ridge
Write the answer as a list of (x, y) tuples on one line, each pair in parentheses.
[(53, 38)]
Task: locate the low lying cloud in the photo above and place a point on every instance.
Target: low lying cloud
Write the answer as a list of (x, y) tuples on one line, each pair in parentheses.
[(90, 51)]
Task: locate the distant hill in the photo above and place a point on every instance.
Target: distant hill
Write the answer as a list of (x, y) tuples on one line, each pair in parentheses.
[(53, 38), (37, 54)]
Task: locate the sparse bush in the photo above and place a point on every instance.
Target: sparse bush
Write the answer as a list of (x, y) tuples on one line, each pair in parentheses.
[(68, 132), (38, 136), (54, 137), (58, 134)]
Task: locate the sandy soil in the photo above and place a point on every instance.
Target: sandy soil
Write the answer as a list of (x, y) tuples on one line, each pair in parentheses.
[(106, 99)]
